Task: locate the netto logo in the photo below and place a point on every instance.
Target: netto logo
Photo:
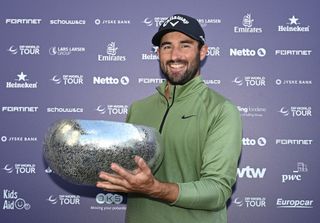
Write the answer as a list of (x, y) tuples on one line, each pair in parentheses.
[(124, 80), (109, 198), (261, 141), (245, 52), (251, 173)]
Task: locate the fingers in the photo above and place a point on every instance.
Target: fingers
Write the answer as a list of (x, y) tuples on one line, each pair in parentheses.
[(142, 164), (110, 187)]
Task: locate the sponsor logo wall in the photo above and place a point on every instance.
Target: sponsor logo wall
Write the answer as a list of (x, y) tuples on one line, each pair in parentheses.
[(91, 60)]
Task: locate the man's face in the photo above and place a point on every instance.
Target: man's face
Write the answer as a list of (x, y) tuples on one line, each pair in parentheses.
[(180, 57)]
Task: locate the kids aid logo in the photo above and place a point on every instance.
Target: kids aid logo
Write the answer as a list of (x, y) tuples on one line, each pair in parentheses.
[(62, 200), (12, 201)]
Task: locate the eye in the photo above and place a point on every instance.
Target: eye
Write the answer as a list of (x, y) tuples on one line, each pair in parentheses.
[(185, 45), (166, 47)]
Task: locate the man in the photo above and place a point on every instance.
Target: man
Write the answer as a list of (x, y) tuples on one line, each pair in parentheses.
[(201, 131)]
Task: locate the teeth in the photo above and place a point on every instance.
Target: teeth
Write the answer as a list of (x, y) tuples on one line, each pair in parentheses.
[(176, 65)]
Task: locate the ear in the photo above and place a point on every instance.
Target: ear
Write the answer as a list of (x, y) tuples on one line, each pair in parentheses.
[(203, 51)]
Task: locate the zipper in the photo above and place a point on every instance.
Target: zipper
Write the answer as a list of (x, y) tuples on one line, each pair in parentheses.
[(168, 108)]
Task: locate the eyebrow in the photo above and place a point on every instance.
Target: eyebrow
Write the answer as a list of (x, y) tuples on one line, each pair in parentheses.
[(183, 41)]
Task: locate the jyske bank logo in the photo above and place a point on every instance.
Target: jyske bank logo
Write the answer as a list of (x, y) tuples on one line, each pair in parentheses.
[(247, 22), (24, 50), (293, 26), (22, 82), (111, 54)]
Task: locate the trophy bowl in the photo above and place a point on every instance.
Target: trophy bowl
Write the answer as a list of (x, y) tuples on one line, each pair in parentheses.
[(77, 150)]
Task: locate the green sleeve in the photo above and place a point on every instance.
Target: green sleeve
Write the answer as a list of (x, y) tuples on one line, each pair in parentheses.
[(219, 164)]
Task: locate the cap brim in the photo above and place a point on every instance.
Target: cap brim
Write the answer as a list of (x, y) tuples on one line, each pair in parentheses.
[(156, 40)]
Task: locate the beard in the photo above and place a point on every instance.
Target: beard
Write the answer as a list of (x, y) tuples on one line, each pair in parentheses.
[(192, 70)]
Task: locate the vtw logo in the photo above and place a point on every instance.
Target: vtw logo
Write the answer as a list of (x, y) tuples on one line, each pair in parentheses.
[(250, 172)]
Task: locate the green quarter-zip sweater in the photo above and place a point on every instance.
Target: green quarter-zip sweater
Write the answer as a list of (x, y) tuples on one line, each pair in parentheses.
[(201, 132)]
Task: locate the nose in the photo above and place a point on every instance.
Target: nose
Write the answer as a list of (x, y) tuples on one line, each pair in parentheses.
[(176, 53)]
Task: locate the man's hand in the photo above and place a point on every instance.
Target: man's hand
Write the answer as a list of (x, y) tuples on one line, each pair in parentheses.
[(141, 180)]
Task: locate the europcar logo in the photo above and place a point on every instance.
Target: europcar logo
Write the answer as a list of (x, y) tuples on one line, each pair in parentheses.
[(294, 203)]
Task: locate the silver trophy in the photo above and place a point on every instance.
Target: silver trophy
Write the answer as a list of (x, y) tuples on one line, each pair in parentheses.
[(77, 150)]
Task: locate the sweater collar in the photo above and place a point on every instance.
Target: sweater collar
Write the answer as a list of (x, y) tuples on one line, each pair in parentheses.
[(182, 91)]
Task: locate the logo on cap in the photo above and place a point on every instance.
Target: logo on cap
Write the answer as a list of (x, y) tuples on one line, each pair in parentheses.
[(179, 18)]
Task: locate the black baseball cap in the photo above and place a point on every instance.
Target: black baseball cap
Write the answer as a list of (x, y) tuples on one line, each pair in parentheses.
[(181, 23)]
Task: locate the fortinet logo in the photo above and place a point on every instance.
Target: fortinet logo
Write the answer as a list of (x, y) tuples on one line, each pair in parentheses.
[(294, 141), (253, 81), (64, 200), (22, 82), (261, 141), (250, 202), (142, 80), (291, 52), (24, 50), (296, 175), (293, 26), (246, 52), (113, 109), (251, 173), (124, 80), (19, 109), (20, 168), (285, 203), (23, 21), (295, 111), (247, 23)]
